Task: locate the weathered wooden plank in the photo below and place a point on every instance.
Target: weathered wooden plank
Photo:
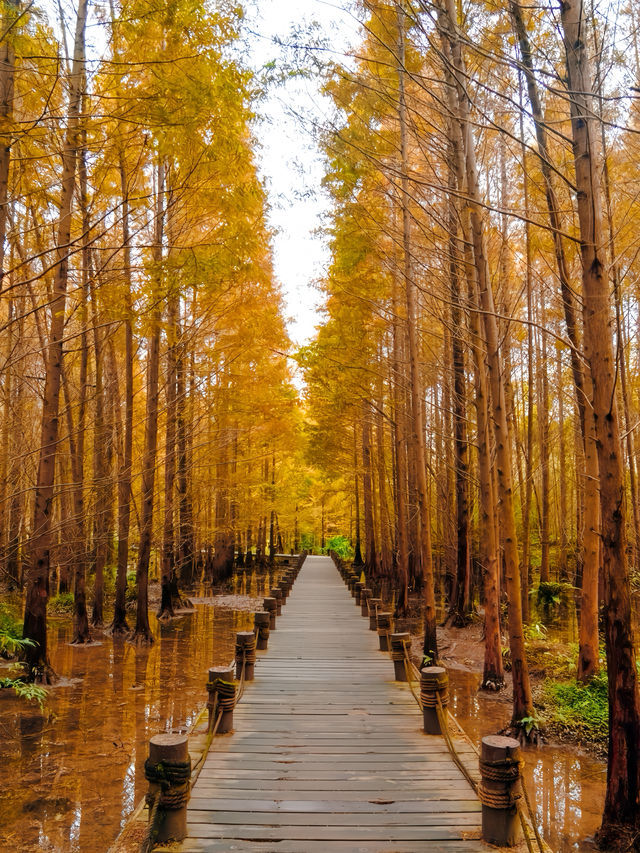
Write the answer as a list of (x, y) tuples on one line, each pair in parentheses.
[(230, 845), (329, 753), (379, 806)]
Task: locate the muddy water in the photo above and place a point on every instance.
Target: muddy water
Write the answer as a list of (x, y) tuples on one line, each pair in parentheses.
[(70, 776), (567, 786)]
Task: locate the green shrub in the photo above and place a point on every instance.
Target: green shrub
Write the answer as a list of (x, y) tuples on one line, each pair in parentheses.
[(583, 708), (61, 604), (341, 545), (11, 644), (550, 593)]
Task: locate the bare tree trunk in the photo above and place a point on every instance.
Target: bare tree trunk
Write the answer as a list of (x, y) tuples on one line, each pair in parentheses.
[(357, 560), (588, 653), (35, 614), (119, 624), (142, 632), (417, 436), (522, 699), (371, 557), (621, 814), (168, 553), (461, 607)]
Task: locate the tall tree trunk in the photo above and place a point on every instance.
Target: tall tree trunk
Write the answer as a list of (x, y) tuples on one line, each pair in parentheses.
[(621, 813), (461, 609), (417, 435), (371, 557), (119, 624), (588, 644), (522, 699), (357, 560), (35, 613), (168, 551), (142, 632)]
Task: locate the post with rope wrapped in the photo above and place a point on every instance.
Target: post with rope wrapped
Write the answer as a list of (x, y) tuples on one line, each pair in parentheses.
[(245, 655), (276, 593), (222, 699), (375, 604), (500, 790), (383, 625), (261, 629), (168, 772), (271, 606), (434, 698), (399, 651), (365, 595)]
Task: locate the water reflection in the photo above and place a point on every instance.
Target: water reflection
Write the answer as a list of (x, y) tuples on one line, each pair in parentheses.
[(567, 787), (69, 777)]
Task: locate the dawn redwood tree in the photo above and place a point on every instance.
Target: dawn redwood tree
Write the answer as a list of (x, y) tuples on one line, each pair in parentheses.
[(37, 576), (621, 811)]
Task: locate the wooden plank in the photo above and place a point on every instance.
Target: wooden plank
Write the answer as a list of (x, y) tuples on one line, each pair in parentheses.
[(329, 753)]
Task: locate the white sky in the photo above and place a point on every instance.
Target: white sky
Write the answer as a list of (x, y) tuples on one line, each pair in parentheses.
[(289, 159)]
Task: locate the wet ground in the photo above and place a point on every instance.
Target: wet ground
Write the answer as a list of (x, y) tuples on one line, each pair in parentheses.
[(70, 776)]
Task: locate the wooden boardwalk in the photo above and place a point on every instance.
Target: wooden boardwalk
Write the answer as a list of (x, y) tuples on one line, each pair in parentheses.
[(328, 753)]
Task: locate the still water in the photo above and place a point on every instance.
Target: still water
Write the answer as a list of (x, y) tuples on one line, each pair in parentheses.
[(70, 777)]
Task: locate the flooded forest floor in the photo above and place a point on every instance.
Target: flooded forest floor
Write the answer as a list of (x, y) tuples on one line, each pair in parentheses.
[(72, 773)]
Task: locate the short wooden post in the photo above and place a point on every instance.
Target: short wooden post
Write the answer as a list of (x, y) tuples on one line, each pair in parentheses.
[(499, 790), (399, 649), (261, 629), (271, 606), (245, 654), (374, 605), (276, 593), (383, 625), (222, 690), (358, 592), (365, 595), (434, 683), (168, 771)]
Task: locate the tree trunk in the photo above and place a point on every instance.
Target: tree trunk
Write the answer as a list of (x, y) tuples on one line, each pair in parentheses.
[(621, 814), (522, 699), (35, 614), (371, 557), (142, 632), (417, 436), (119, 624)]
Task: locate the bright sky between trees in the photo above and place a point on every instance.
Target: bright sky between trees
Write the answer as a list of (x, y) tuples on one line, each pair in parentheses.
[(290, 159)]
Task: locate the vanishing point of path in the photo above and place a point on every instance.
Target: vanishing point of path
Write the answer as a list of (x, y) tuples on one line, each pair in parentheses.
[(328, 752)]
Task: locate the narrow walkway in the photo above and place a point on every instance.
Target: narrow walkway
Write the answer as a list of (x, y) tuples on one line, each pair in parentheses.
[(328, 753)]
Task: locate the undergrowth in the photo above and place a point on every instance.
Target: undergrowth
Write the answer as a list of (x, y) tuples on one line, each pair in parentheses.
[(581, 710)]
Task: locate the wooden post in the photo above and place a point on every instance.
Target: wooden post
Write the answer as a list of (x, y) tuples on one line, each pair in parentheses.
[(276, 593), (434, 682), (499, 790), (223, 695), (245, 654), (383, 624), (358, 591), (374, 605), (261, 629), (399, 648), (271, 606), (365, 595), (168, 771)]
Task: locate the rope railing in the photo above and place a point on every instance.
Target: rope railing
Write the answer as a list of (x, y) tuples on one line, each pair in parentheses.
[(170, 782), (507, 771)]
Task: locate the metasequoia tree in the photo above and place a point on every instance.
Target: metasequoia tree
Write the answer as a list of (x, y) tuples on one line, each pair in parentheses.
[(623, 769), (35, 627)]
